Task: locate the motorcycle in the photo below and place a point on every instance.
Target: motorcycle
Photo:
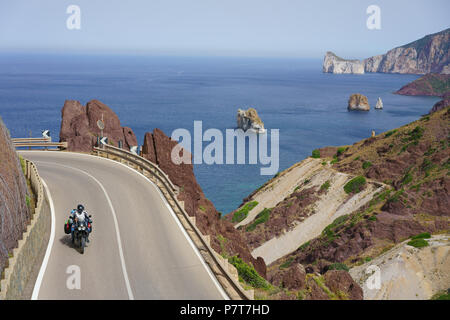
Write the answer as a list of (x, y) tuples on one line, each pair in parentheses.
[(80, 232)]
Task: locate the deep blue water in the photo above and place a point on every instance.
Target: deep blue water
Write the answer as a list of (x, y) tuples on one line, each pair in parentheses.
[(293, 95)]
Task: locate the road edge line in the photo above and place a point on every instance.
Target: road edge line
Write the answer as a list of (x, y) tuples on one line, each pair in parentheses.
[(38, 283)]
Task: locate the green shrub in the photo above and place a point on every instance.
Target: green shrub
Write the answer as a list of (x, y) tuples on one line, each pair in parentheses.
[(416, 134), (315, 153), (28, 201), (418, 243), (287, 264), (356, 159), (325, 185), (424, 235), (366, 164), (373, 218), (262, 217), (340, 151), (407, 178), (355, 185), (390, 133), (22, 164), (248, 273), (304, 246), (396, 196), (442, 296), (338, 266), (427, 166), (242, 213), (202, 208)]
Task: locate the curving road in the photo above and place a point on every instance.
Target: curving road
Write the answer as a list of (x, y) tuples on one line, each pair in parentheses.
[(138, 249)]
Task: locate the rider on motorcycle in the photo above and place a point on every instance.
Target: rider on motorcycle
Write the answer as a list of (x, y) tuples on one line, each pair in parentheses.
[(79, 214)]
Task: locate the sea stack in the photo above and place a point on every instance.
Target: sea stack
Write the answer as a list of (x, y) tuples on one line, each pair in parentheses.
[(334, 64), (249, 120), (358, 102), (379, 104)]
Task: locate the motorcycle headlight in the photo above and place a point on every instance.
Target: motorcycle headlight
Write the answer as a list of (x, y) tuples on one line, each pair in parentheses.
[(79, 228), (83, 228)]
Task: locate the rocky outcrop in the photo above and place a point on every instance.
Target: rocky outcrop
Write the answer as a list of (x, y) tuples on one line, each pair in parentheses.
[(334, 64), (358, 102), (431, 84), (225, 239), (14, 212), (379, 104), (408, 273), (249, 120), (429, 54), (80, 130), (445, 102), (332, 285)]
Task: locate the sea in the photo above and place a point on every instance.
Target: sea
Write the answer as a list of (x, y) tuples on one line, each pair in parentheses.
[(307, 106)]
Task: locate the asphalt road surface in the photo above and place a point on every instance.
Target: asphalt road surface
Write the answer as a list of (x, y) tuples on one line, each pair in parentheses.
[(138, 249)]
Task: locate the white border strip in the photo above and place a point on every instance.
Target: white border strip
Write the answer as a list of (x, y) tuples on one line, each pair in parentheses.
[(37, 285)]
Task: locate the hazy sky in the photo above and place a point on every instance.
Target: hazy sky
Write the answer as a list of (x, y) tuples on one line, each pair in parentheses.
[(296, 28)]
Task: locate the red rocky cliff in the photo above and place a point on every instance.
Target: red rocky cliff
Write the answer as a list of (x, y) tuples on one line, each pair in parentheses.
[(14, 213), (157, 148), (79, 126)]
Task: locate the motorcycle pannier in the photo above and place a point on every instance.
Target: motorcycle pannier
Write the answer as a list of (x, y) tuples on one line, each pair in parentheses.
[(67, 227)]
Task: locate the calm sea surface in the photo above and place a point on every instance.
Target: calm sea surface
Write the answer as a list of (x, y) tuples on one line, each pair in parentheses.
[(293, 95)]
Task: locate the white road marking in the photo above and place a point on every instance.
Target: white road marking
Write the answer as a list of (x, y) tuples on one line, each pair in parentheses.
[(37, 285), (202, 261), (116, 224)]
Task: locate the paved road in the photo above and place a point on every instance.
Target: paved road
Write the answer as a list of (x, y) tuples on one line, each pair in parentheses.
[(137, 250)]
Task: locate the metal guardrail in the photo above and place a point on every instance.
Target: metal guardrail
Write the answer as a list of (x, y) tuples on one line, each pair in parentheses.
[(38, 143), (62, 145), (227, 274), (30, 140)]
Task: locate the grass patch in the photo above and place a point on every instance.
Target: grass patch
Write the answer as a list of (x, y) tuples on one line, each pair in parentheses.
[(248, 274), (442, 296), (304, 246), (22, 164), (325, 186), (338, 266), (242, 213), (28, 201), (366, 165), (407, 178), (390, 133), (427, 166), (222, 241), (340, 151), (287, 264), (424, 235), (416, 134), (262, 217), (418, 243), (315, 154), (355, 185)]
